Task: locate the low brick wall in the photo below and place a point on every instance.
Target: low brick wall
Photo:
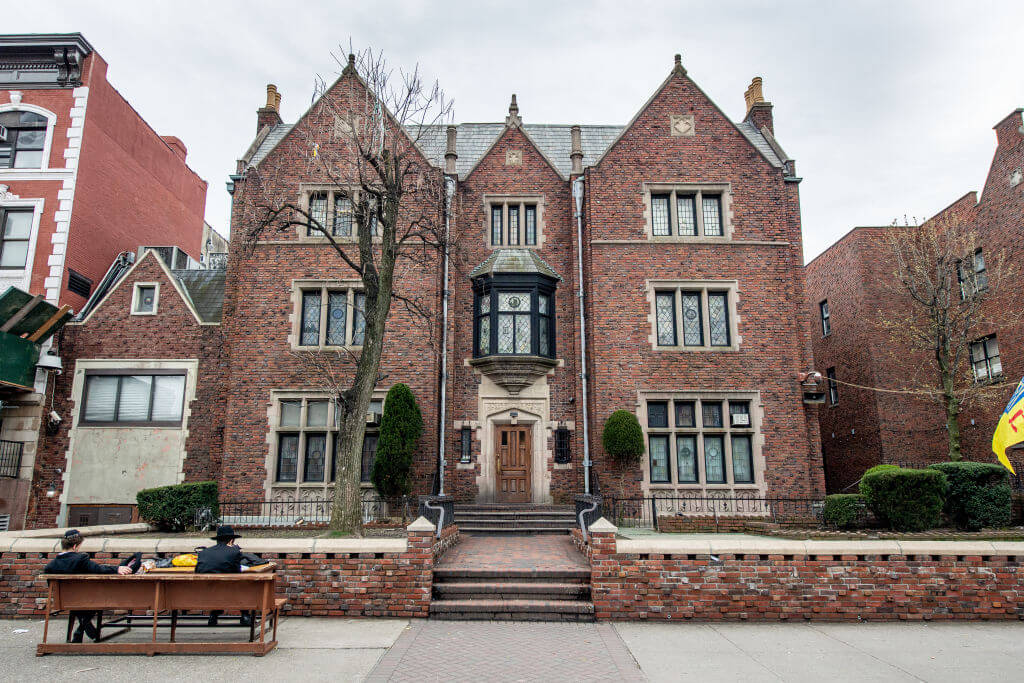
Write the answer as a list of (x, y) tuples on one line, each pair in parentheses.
[(775, 579), (709, 524), (320, 577)]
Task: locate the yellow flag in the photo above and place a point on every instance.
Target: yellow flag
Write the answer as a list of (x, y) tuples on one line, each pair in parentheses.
[(1010, 429)]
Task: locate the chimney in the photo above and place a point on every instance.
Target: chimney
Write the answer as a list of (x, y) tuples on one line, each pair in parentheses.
[(176, 145), (759, 112), (1009, 131), (449, 153), (269, 114), (576, 151)]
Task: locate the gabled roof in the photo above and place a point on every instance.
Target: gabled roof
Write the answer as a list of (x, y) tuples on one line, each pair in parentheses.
[(518, 261), (206, 289)]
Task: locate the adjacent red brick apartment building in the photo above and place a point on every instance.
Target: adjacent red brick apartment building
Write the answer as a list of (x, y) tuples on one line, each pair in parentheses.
[(684, 225), (847, 287), (82, 178)]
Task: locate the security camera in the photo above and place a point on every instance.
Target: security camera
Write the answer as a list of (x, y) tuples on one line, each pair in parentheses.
[(54, 417)]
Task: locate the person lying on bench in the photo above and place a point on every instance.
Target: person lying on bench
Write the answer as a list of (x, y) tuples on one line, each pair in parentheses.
[(73, 562), (223, 558)]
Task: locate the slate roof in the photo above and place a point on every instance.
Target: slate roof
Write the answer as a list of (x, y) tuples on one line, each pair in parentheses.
[(206, 289), (474, 139), (514, 261)]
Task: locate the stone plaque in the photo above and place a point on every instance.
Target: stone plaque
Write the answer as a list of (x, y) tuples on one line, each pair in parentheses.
[(681, 125), (1016, 177), (514, 157)]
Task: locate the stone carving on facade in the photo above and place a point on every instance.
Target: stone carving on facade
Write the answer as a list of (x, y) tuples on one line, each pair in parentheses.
[(681, 125), (514, 373), (6, 195), (1016, 177), (514, 157)]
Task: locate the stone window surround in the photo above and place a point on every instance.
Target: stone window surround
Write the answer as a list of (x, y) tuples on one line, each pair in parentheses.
[(757, 442), (135, 297), (352, 285), (522, 200), (274, 428), (729, 286), (722, 189), (51, 121), (306, 190)]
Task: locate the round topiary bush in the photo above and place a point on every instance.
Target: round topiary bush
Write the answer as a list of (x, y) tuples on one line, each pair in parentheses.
[(400, 428), (844, 510), (909, 500), (622, 437), (979, 494), (865, 485)]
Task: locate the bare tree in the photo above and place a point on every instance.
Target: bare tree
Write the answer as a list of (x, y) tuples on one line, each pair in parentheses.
[(361, 137), (943, 288)]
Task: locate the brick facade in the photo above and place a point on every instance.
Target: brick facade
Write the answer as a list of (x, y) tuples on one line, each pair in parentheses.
[(867, 427)]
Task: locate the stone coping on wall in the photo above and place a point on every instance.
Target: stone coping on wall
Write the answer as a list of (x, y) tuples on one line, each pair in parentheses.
[(724, 545), (85, 531), (120, 544)]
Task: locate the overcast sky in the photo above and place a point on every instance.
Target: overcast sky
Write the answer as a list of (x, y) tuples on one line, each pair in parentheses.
[(887, 107)]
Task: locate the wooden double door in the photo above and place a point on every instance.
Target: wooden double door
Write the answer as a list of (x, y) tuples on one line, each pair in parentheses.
[(514, 458)]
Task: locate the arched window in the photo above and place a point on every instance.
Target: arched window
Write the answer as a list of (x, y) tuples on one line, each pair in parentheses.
[(22, 137)]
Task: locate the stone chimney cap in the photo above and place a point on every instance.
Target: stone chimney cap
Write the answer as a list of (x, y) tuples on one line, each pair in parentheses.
[(273, 97), (754, 92), (678, 66)]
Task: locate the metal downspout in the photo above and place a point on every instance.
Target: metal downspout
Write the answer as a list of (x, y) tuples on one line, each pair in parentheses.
[(449, 192), (577, 193)]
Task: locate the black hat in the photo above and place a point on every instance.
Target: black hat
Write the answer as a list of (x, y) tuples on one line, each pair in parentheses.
[(225, 532), (72, 532)]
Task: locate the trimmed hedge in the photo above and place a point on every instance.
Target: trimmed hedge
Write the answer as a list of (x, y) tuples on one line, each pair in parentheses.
[(979, 494), (844, 510), (400, 429), (865, 487), (908, 500), (622, 437), (173, 508)]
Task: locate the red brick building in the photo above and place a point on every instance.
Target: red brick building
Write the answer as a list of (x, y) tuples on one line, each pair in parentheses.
[(82, 178), (685, 226), (847, 288)]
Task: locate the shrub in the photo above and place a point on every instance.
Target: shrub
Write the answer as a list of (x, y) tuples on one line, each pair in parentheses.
[(174, 508), (979, 494), (622, 437), (844, 510), (400, 430), (865, 486), (909, 500)]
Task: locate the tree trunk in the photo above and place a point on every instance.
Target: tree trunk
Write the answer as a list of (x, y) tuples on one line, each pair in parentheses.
[(952, 405)]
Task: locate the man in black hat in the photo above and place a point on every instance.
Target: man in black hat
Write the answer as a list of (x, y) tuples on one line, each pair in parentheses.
[(223, 558), (73, 562)]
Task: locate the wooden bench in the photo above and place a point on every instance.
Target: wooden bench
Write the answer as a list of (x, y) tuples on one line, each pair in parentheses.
[(162, 596)]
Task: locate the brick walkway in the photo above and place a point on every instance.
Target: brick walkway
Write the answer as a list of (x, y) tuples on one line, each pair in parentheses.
[(507, 651), (514, 552)]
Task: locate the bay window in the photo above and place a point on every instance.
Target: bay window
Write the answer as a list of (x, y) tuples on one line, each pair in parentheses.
[(514, 318)]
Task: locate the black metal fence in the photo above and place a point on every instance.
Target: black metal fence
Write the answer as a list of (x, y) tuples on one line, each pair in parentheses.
[(10, 458), (299, 513), (643, 512)]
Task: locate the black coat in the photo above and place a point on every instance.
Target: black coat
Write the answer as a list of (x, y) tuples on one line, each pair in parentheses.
[(77, 563), (219, 559)]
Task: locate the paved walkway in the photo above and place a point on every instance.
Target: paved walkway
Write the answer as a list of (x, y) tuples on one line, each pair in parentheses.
[(545, 551)]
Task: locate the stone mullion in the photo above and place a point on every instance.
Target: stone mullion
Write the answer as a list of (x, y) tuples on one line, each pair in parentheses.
[(698, 210), (677, 303)]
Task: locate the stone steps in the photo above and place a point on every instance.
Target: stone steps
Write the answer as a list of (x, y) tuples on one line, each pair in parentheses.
[(512, 594), (515, 519)]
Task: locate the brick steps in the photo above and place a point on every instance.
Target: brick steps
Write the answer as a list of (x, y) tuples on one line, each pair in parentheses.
[(512, 594), (515, 519)]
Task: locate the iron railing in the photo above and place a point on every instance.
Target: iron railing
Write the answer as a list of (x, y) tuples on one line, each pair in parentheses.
[(10, 458), (298, 513), (643, 512)]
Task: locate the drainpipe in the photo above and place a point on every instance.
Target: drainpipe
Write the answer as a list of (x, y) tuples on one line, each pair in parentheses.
[(577, 194), (449, 192)]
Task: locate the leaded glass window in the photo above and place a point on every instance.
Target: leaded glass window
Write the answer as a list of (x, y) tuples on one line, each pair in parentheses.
[(739, 413), (514, 321), (485, 335), (496, 225), (665, 309), (337, 318), (513, 225), (287, 457), (544, 318), (657, 414), (659, 458), (687, 215), (718, 318), (660, 221), (686, 459), (714, 459), (685, 414), (316, 448), (342, 216), (713, 216), (317, 213), (693, 326), (711, 413), (506, 334), (310, 318), (742, 460), (531, 226), (359, 320)]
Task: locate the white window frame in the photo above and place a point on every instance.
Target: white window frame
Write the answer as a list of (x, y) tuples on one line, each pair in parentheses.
[(722, 190), (730, 287), (22, 277), (351, 287), (825, 313), (514, 201), (990, 376), (51, 124), (726, 431), (136, 294)]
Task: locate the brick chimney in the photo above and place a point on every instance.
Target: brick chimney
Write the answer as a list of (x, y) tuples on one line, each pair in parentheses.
[(176, 145), (1009, 131), (759, 112), (270, 113), (576, 150)]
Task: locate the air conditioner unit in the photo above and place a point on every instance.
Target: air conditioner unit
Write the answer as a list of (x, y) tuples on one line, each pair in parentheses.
[(3, 134), (373, 419)]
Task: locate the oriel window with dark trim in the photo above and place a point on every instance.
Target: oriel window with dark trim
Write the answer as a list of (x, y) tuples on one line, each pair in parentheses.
[(515, 320)]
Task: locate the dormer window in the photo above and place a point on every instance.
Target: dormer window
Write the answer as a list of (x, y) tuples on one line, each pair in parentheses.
[(22, 139)]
